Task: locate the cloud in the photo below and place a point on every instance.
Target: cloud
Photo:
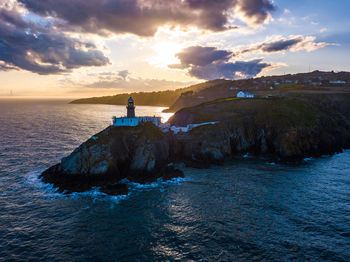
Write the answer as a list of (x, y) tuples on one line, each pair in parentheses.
[(209, 63), (30, 46), (291, 43), (202, 56), (256, 11), (123, 74), (143, 17), (235, 70)]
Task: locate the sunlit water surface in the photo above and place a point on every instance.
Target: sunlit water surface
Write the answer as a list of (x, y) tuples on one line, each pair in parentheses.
[(246, 210)]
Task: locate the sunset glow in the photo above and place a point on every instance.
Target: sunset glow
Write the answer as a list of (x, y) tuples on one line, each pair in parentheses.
[(56, 55)]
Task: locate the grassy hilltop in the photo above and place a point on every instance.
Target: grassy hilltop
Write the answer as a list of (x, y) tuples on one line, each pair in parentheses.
[(314, 82), (161, 98)]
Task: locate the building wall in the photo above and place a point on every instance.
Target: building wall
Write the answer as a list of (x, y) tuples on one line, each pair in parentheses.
[(242, 94), (126, 121), (134, 121)]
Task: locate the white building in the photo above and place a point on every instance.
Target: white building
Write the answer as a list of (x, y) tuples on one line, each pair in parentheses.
[(337, 82), (185, 129), (244, 94), (132, 120)]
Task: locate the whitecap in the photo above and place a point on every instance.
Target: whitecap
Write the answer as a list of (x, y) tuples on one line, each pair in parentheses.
[(159, 184), (97, 196), (48, 191), (44, 189)]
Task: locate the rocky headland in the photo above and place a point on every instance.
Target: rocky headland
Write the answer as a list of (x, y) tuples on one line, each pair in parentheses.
[(281, 128)]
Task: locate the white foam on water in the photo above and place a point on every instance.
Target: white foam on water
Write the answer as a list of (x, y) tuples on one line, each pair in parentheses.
[(135, 185), (271, 163), (176, 181), (159, 184), (48, 191), (97, 196), (44, 189)]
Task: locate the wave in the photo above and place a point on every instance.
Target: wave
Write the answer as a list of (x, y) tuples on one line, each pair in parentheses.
[(47, 190), (157, 184)]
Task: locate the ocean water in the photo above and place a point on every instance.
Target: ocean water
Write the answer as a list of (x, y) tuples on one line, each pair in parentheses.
[(245, 210)]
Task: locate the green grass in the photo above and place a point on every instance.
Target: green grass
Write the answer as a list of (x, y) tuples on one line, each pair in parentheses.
[(281, 111)]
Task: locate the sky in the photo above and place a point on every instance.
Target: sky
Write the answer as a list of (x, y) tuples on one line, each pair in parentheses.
[(83, 48)]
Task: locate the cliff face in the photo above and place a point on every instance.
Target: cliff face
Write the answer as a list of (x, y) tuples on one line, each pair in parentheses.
[(285, 128), (280, 128), (137, 153)]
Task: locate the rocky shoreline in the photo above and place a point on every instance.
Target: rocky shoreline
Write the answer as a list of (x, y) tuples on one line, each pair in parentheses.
[(286, 129)]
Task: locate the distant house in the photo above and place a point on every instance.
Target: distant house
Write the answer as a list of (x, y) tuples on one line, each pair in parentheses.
[(316, 83), (337, 82), (244, 94)]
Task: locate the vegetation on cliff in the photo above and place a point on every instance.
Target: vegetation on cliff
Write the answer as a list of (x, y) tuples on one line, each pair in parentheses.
[(314, 82), (282, 128), (285, 128), (161, 98)]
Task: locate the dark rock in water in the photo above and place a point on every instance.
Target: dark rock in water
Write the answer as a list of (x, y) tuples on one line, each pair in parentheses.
[(140, 154), (115, 189), (281, 128)]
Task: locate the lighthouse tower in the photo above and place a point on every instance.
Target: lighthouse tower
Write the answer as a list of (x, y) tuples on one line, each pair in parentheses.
[(131, 119), (130, 108)]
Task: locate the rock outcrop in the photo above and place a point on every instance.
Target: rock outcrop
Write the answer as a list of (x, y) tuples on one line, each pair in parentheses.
[(280, 128), (140, 154)]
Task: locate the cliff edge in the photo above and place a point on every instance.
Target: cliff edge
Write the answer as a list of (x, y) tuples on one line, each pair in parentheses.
[(280, 128)]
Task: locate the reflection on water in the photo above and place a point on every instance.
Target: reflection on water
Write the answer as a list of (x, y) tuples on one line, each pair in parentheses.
[(245, 210)]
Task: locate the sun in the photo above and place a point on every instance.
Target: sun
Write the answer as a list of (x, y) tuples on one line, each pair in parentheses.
[(165, 54)]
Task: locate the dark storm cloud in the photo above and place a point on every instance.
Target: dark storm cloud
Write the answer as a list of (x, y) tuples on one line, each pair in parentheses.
[(211, 63), (238, 69), (143, 17), (201, 56), (280, 45), (28, 46), (256, 10), (291, 43)]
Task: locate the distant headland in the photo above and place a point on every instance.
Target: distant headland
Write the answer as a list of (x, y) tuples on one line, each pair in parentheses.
[(316, 81)]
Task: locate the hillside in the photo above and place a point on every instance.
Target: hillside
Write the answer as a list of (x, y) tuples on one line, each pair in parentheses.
[(314, 82), (160, 98), (286, 128)]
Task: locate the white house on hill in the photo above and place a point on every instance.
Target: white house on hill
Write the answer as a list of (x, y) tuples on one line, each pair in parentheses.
[(244, 94)]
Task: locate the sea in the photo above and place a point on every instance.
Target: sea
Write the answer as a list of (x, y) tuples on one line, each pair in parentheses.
[(248, 209)]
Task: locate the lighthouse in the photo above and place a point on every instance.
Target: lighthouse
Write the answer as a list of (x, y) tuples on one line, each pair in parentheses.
[(132, 120), (130, 108)]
